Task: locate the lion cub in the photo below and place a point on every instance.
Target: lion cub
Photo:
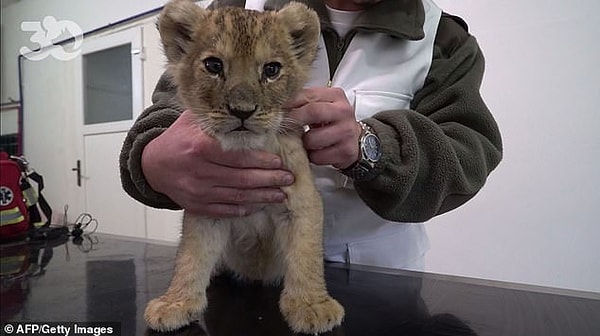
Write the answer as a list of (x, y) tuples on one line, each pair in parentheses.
[(234, 69)]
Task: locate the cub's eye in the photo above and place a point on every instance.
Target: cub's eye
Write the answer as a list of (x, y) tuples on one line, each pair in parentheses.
[(271, 70), (213, 65)]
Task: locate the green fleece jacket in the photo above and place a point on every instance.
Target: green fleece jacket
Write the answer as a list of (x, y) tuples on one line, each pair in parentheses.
[(436, 155)]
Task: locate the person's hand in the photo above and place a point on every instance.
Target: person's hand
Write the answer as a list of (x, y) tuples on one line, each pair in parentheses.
[(190, 167), (334, 132)]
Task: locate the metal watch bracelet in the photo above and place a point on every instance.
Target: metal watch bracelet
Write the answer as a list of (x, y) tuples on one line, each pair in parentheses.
[(370, 153)]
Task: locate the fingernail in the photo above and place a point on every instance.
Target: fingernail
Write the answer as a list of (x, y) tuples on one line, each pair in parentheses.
[(287, 179), (276, 163), (279, 197), (244, 211)]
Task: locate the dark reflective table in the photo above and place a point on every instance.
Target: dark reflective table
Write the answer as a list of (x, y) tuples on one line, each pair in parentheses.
[(103, 278)]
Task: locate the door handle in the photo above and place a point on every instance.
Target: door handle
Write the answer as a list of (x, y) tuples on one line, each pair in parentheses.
[(78, 170)]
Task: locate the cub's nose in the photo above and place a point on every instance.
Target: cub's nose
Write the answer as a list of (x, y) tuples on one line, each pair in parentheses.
[(241, 113)]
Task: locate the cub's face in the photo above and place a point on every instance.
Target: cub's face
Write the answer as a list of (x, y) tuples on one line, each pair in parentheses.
[(235, 68)]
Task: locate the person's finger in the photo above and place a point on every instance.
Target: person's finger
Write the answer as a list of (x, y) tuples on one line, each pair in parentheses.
[(247, 196), (310, 95), (244, 158), (315, 114), (341, 155), (320, 137), (250, 178), (324, 156), (219, 210)]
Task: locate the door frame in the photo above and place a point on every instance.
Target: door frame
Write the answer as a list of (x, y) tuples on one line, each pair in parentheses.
[(133, 36)]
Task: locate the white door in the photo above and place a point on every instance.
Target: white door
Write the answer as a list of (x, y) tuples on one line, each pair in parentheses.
[(109, 80), (50, 138)]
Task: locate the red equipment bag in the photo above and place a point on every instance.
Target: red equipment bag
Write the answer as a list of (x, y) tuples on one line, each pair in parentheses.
[(21, 205), (14, 213)]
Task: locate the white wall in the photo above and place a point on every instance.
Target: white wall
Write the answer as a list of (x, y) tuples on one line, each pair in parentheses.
[(9, 121), (88, 14), (535, 221)]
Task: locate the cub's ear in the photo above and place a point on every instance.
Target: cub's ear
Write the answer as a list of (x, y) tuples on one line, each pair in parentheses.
[(176, 25), (303, 26)]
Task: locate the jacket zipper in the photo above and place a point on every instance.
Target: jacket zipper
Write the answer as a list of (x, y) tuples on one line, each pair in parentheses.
[(341, 45)]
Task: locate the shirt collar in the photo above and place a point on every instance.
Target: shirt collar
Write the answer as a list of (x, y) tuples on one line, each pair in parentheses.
[(398, 18)]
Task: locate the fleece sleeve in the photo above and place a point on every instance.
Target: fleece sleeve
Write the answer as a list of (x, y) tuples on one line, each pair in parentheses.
[(149, 125), (438, 154)]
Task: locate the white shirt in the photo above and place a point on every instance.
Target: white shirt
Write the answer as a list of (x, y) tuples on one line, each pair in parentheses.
[(342, 20)]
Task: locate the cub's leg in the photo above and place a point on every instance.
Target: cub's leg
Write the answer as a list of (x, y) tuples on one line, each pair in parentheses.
[(201, 246), (304, 302)]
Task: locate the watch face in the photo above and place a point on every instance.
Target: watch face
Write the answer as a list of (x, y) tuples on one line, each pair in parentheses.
[(372, 147)]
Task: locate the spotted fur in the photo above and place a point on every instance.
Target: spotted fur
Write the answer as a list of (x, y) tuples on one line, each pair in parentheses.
[(234, 69), (245, 42)]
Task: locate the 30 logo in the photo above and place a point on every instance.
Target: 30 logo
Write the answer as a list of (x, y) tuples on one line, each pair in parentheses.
[(44, 35)]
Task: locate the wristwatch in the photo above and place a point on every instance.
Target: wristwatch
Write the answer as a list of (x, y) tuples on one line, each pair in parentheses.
[(370, 153)]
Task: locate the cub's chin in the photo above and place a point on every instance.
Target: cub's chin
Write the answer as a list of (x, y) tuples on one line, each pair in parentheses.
[(242, 139)]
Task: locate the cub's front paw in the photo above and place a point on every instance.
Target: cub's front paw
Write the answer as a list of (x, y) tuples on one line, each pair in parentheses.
[(311, 314), (165, 314)]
